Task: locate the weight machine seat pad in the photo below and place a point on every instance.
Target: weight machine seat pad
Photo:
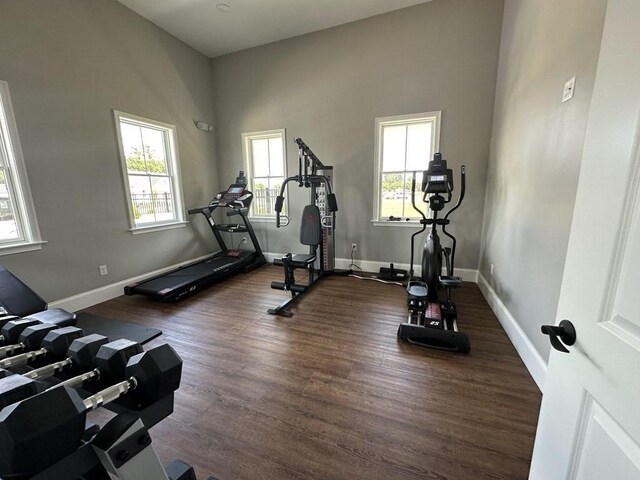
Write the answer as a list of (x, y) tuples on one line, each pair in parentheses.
[(299, 260), (310, 226), (303, 258)]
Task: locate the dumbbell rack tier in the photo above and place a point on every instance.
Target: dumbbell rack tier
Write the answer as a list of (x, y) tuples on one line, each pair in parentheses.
[(84, 459), (150, 415)]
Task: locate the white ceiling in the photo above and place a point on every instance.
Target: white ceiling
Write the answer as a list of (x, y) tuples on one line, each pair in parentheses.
[(250, 23)]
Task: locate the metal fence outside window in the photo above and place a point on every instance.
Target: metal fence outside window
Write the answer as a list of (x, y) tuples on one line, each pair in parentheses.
[(151, 203), (264, 201)]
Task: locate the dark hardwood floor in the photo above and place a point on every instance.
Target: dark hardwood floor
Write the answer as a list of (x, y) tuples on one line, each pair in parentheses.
[(330, 393)]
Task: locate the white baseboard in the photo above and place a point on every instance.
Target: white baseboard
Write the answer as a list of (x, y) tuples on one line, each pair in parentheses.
[(107, 292), (532, 359), (467, 274)]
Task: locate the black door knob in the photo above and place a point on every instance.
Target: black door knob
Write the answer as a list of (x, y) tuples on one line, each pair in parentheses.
[(561, 335)]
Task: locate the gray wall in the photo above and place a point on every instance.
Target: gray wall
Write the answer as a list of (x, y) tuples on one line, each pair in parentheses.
[(536, 149), (328, 87), (68, 64)]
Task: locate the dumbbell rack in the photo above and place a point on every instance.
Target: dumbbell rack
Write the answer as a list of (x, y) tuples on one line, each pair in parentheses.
[(122, 449)]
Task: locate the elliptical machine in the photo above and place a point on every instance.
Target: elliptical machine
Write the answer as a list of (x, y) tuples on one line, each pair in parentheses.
[(433, 320)]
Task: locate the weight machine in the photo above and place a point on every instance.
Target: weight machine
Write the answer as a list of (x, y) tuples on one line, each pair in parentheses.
[(317, 227)]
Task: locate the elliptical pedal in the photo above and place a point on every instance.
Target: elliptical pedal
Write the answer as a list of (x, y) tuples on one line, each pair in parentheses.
[(450, 281)]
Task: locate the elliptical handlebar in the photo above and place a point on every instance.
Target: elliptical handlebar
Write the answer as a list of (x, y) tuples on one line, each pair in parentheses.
[(463, 187), (424, 225)]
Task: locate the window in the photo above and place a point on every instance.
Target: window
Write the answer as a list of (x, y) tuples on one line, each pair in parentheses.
[(151, 172), (404, 144), (265, 163), (18, 226)]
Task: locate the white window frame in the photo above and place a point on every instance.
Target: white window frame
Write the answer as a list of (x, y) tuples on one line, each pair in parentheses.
[(17, 181), (380, 123), (248, 168), (173, 165)]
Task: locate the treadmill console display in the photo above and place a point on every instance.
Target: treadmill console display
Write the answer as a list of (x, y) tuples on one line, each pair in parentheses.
[(236, 196)]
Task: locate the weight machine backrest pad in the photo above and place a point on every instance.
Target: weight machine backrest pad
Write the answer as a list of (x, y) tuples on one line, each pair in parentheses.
[(310, 227), (16, 297)]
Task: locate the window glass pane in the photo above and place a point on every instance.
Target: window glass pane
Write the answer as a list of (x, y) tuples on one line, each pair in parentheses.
[(140, 190), (408, 208), (275, 183), (260, 184), (132, 145), (262, 201), (153, 144), (8, 224), (161, 198), (393, 148), (276, 159), (260, 157), (396, 196), (393, 194), (418, 145)]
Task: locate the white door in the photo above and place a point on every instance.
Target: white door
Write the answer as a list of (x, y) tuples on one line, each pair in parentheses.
[(589, 427)]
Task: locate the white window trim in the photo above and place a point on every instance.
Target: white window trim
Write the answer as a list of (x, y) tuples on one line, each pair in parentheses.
[(381, 122), (246, 138), (176, 177), (25, 208)]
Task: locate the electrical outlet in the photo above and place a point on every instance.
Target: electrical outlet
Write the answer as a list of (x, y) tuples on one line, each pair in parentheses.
[(491, 271), (354, 247), (103, 270), (244, 240)]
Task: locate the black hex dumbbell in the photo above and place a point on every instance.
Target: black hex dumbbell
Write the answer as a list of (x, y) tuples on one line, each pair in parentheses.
[(57, 416), (82, 355), (54, 345), (12, 329), (16, 388), (29, 339), (108, 363), (12, 326)]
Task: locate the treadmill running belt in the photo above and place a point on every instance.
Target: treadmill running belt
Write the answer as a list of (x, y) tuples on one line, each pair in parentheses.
[(190, 274)]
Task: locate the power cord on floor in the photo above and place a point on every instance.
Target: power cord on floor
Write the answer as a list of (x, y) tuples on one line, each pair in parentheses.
[(353, 248), (376, 279), (362, 277)]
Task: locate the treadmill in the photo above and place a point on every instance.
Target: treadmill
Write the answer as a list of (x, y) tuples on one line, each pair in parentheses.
[(191, 278)]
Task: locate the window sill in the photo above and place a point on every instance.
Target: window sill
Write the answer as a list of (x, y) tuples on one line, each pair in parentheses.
[(157, 228), (262, 219), (21, 248), (396, 223)]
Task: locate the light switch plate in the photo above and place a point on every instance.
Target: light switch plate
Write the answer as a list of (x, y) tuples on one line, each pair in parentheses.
[(569, 87)]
